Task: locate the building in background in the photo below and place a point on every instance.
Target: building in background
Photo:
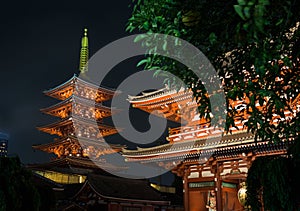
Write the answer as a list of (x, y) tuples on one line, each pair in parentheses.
[(3, 144)]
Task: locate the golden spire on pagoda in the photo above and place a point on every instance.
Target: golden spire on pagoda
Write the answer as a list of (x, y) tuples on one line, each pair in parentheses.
[(84, 53)]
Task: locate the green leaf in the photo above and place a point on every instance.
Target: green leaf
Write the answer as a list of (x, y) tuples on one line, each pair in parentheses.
[(264, 2), (239, 10), (241, 2), (156, 73), (146, 25), (144, 61), (140, 37), (247, 12), (212, 38), (165, 45), (279, 22)]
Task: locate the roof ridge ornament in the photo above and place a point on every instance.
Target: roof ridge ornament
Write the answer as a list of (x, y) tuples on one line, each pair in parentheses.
[(84, 53)]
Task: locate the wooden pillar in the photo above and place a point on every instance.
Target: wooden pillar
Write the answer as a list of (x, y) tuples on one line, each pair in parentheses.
[(186, 189), (219, 186)]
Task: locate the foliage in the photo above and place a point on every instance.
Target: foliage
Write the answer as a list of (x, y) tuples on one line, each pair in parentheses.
[(251, 44), (2, 201), (271, 178), (276, 179), (17, 191), (47, 198)]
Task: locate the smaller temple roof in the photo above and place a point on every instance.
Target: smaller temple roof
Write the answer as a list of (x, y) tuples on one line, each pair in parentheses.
[(159, 96), (147, 95), (44, 182), (123, 189)]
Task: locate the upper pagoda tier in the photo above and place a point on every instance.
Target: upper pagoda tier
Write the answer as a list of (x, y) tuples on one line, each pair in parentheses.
[(82, 107), (79, 87)]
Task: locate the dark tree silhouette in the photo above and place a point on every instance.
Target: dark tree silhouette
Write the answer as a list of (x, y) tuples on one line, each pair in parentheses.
[(17, 191)]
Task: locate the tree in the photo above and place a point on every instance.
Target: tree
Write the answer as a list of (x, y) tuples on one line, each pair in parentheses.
[(253, 44), (17, 191), (277, 180)]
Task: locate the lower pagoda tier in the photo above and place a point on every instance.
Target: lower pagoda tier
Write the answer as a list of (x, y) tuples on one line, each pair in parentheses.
[(84, 147)]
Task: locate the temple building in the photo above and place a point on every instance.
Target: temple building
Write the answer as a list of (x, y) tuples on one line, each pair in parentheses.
[(76, 173), (213, 164)]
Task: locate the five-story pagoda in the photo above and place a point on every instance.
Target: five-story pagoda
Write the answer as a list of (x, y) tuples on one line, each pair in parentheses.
[(80, 128)]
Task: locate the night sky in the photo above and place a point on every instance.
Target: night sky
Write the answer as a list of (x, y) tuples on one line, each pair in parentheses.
[(40, 44)]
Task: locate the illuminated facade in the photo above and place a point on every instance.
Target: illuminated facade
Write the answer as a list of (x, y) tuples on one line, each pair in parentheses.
[(213, 169)]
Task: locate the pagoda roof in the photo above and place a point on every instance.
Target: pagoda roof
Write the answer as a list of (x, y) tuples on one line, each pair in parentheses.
[(70, 138), (123, 189), (69, 121), (76, 99), (70, 84), (75, 165)]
